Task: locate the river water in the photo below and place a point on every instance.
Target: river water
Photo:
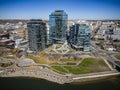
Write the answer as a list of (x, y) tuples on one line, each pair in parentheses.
[(112, 83)]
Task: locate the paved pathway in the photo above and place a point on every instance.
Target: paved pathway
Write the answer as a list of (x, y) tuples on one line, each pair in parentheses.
[(35, 72)]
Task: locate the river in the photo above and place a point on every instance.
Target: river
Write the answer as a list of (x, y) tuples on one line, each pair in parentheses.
[(112, 83)]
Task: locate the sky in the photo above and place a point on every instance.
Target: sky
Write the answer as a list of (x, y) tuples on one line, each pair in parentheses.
[(76, 9)]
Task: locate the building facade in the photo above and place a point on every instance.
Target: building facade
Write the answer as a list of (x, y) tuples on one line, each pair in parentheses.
[(37, 35), (79, 37), (5, 41), (58, 26)]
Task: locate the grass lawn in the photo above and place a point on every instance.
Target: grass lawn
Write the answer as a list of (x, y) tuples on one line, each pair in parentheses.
[(88, 65), (40, 60), (59, 69), (7, 57), (68, 61), (118, 57)]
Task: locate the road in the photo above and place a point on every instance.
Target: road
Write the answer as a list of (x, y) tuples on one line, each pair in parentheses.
[(105, 54)]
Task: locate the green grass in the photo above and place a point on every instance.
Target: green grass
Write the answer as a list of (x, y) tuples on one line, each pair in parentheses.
[(86, 66), (88, 62), (102, 63), (77, 70), (59, 69), (7, 57), (92, 61), (118, 57)]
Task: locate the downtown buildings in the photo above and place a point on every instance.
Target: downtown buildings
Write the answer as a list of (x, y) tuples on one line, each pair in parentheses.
[(79, 37), (58, 26), (37, 35)]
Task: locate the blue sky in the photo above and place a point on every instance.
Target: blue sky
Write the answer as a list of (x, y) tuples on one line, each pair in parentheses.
[(76, 9)]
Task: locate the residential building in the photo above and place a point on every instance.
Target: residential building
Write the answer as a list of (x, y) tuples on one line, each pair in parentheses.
[(37, 35)]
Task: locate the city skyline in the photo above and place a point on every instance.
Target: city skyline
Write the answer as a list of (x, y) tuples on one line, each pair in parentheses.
[(76, 9)]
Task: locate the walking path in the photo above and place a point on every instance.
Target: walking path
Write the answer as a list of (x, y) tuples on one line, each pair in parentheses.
[(96, 75), (35, 72), (51, 75)]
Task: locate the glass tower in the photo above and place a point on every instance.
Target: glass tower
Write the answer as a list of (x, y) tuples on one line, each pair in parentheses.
[(58, 26), (80, 37), (37, 34)]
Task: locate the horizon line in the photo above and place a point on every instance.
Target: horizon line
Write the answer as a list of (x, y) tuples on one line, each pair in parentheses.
[(48, 19)]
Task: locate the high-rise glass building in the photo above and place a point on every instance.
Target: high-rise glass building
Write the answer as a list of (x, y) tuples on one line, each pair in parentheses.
[(37, 34), (58, 26), (79, 37)]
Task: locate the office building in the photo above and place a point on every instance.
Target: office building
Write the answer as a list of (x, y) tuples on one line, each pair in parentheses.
[(37, 35), (79, 38), (58, 26)]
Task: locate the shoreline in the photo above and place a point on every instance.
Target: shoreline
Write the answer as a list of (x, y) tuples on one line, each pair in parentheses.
[(62, 79), (78, 81)]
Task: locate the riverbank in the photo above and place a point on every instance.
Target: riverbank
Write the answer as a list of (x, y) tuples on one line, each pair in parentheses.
[(75, 82), (94, 79), (55, 77), (37, 73), (23, 83)]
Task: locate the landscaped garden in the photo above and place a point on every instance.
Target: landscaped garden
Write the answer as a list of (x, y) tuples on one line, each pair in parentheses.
[(118, 57), (88, 65)]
